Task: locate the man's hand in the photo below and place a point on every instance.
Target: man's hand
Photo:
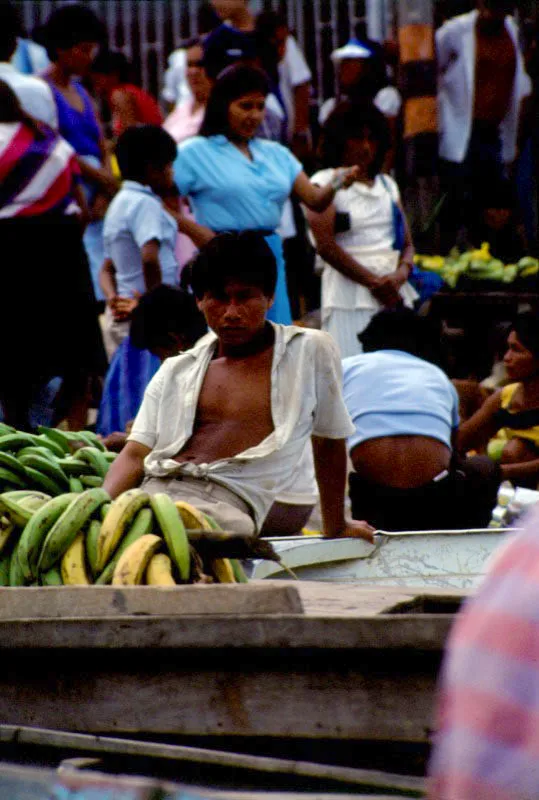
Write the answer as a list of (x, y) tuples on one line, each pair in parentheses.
[(355, 529)]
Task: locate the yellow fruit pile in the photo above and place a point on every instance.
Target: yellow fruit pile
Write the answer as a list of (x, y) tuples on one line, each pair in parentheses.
[(477, 264), (83, 538)]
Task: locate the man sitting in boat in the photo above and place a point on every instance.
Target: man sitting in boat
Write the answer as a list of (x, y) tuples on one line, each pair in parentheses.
[(225, 424), (405, 414)]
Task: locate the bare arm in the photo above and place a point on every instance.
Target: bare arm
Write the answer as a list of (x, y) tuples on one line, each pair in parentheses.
[(318, 198), (525, 469), (127, 469), (151, 266), (199, 234), (330, 467), (107, 279), (476, 431)]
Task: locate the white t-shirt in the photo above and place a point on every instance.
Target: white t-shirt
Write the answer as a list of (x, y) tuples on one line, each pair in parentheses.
[(35, 95), (135, 217), (306, 399), (175, 87), (293, 72)]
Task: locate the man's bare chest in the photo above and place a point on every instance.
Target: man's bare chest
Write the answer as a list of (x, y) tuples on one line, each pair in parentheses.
[(240, 392)]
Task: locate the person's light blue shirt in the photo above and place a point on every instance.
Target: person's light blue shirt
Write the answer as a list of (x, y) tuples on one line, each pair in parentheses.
[(135, 217), (393, 393), (230, 192)]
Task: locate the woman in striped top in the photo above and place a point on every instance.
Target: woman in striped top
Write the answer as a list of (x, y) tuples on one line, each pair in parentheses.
[(48, 326)]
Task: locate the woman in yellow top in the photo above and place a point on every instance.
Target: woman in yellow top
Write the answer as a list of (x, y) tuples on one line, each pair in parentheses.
[(511, 414)]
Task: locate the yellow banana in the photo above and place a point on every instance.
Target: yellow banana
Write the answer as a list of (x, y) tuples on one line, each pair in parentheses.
[(132, 563), (159, 571), (116, 521), (192, 517), (73, 568), (222, 570), (141, 525)]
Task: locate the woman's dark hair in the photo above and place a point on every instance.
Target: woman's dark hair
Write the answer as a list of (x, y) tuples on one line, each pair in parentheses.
[(234, 82), (402, 329), (526, 327), (142, 146), (245, 257), (163, 314), (12, 111), (109, 62), (348, 121), (69, 25)]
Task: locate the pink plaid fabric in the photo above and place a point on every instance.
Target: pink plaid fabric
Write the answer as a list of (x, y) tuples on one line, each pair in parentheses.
[(487, 741)]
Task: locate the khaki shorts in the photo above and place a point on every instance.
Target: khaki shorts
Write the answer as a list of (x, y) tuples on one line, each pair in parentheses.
[(228, 510)]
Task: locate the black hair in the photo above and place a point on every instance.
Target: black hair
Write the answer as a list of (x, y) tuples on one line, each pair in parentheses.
[(526, 327), (348, 121), (109, 62), (402, 329), (164, 313), (266, 26), (142, 146), (10, 28), (234, 82), (245, 257), (69, 25), (12, 111)]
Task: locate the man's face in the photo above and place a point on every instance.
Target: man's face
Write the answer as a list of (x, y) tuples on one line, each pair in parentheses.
[(494, 12), (228, 9), (237, 315)]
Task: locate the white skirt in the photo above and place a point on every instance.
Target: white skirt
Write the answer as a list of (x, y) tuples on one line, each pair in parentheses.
[(344, 326)]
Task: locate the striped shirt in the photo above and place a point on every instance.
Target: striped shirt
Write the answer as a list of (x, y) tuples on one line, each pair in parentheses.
[(487, 743), (36, 174)]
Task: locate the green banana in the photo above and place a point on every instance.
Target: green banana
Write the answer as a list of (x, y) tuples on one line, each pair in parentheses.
[(104, 510), (141, 526), (119, 516), (36, 530), (51, 445), (95, 458), (12, 463), (34, 450), (16, 494), (60, 438), (14, 511), (11, 478), (47, 467), (173, 530), (6, 529), (5, 561), (31, 502), (53, 577), (212, 523), (14, 441), (92, 439), (75, 485), (67, 526), (92, 535), (4, 428), (91, 480), (49, 485), (16, 575), (110, 456), (75, 466), (239, 572)]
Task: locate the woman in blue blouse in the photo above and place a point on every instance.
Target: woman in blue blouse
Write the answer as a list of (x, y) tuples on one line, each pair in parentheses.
[(237, 181)]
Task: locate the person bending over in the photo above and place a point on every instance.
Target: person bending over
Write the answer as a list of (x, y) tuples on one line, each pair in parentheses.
[(225, 425), (405, 414)]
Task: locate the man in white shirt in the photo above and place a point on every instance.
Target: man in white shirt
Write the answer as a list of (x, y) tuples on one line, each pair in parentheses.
[(34, 94), (225, 425), (478, 129)]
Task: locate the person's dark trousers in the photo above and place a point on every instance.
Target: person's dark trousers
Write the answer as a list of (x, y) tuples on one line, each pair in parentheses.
[(463, 184), (464, 498)]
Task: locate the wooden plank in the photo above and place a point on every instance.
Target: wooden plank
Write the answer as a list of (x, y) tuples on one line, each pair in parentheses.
[(110, 601)]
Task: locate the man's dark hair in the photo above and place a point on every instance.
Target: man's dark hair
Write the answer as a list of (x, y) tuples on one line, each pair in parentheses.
[(112, 62), (142, 146), (10, 28), (69, 25), (526, 327), (232, 83), (226, 46), (163, 314), (402, 329), (245, 257), (348, 121)]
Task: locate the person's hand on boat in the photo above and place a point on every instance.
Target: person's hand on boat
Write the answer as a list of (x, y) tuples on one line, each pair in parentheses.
[(355, 529)]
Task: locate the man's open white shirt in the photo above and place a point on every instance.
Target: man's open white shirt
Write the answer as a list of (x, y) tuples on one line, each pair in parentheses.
[(306, 400)]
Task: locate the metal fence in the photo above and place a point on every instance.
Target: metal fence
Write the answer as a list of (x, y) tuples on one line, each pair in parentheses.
[(147, 31)]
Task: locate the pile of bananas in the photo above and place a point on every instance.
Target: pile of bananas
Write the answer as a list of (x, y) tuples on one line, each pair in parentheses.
[(478, 264), (52, 461), (83, 538)]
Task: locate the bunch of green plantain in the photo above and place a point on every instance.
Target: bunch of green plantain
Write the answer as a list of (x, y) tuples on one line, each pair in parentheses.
[(52, 461), (85, 538)]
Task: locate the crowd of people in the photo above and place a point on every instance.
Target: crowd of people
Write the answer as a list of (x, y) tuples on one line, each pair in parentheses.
[(233, 288)]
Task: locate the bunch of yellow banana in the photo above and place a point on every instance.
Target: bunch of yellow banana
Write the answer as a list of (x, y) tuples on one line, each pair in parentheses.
[(52, 461), (85, 538)]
